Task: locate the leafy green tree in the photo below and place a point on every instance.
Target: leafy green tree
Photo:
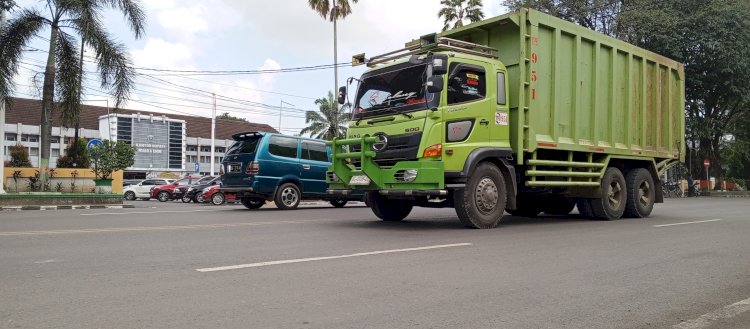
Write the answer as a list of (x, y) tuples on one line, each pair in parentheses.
[(330, 122), (76, 156), (19, 156), (65, 19), (110, 157), (599, 15), (455, 12), (333, 12), (227, 116)]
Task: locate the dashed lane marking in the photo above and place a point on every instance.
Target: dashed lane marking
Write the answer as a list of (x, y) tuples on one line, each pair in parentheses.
[(685, 223), (726, 312)]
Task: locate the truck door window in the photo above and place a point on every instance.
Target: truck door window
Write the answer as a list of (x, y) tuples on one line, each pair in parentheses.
[(501, 88), (283, 147), (466, 83), (314, 151)]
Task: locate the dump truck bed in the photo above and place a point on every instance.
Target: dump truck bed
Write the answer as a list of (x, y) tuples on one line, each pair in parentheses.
[(575, 89)]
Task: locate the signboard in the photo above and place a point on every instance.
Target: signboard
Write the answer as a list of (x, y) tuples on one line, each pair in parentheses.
[(151, 141), (197, 167), (94, 142), (706, 163)]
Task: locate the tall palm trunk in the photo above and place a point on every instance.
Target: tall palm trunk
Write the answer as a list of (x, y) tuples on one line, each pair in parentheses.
[(48, 105), (74, 147)]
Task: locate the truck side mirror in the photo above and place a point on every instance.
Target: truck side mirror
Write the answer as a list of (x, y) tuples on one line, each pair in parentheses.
[(439, 64), (435, 84), (342, 95)]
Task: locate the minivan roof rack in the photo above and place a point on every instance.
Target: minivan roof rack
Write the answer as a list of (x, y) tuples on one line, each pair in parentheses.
[(426, 43)]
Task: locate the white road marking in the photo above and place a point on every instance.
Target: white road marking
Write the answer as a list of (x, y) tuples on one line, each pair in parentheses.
[(144, 212), (147, 228), (301, 260), (726, 312), (685, 223)]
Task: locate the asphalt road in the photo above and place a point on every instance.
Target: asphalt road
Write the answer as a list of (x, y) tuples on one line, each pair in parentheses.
[(171, 265)]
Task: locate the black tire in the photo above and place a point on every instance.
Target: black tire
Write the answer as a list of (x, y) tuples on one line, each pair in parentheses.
[(163, 196), (198, 198), (558, 205), (130, 195), (526, 206), (338, 203), (252, 203), (218, 198), (389, 210), (186, 199), (287, 196), (611, 205), (482, 202), (584, 208), (641, 193)]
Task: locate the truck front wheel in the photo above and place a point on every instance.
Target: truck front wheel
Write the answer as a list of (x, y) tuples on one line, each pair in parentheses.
[(611, 205), (386, 209), (482, 202)]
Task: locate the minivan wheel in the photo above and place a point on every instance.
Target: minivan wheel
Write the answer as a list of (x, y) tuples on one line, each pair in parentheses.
[(338, 203), (129, 195), (218, 198), (250, 203), (163, 196), (186, 198), (287, 196)]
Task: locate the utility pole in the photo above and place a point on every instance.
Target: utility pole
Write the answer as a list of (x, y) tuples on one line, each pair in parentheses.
[(281, 106), (3, 4), (213, 134)]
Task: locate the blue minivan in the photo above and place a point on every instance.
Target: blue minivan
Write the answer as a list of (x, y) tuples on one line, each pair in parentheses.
[(262, 166)]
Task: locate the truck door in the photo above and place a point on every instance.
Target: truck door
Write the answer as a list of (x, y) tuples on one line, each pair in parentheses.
[(501, 121), (469, 112)]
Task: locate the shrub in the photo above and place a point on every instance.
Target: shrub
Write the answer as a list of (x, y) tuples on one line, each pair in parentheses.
[(19, 156), (75, 153)]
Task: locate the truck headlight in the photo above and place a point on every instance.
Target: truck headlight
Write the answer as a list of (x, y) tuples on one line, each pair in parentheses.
[(333, 177), (406, 176)]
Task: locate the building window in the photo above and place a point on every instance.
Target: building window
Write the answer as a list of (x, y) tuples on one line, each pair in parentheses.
[(205, 149), (204, 159), (33, 138), (34, 151), (66, 140), (55, 153), (192, 148), (220, 150), (24, 138), (218, 159), (54, 140), (10, 137)]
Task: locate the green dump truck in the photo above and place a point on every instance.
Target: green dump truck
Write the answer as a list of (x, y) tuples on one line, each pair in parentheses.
[(524, 113)]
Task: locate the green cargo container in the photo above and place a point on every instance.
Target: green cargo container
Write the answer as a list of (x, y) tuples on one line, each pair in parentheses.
[(524, 113), (579, 90)]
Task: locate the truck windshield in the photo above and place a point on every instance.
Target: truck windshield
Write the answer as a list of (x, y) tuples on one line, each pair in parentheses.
[(395, 89)]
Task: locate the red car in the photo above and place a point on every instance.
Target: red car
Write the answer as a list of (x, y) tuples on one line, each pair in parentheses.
[(175, 190), (211, 194)]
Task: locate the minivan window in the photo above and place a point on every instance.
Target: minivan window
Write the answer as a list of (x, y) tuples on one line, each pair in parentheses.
[(283, 147), (314, 151), (244, 146)]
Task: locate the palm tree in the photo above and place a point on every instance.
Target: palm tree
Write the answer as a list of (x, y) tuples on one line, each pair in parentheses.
[(340, 9), (330, 122), (65, 20), (456, 11)]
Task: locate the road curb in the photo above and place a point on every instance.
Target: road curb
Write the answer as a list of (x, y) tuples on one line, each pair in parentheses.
[(67, 207)]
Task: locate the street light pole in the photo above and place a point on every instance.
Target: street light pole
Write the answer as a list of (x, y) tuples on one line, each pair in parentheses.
[(281, 106)]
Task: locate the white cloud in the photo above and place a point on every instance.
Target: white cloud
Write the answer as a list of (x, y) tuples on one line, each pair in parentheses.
[(187, 19), (160, 53)]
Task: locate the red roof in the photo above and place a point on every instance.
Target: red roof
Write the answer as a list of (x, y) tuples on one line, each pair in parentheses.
[(29, 111)]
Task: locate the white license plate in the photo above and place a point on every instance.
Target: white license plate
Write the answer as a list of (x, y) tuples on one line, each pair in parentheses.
[(360, 180)]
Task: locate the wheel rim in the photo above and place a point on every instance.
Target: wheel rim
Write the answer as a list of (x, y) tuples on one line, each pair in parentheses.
[(130, 196), (289, 196), (163, 196), (218, 198), (614, 195), (644, 194), (199, 198), (486, 195)]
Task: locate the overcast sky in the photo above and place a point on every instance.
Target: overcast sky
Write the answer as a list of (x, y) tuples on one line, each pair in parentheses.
[(248, 35)]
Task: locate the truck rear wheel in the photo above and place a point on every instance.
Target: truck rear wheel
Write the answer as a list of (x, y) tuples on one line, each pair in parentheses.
[(482, 202), (386, 209), (641, 193), (611, 205)]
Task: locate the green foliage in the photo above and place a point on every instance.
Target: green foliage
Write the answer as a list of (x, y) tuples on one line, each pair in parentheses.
[(325, 10), (19, 156), (110, 157), (329, 122), (77, 154), (227, 116), (599, 15), (456, 11)]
